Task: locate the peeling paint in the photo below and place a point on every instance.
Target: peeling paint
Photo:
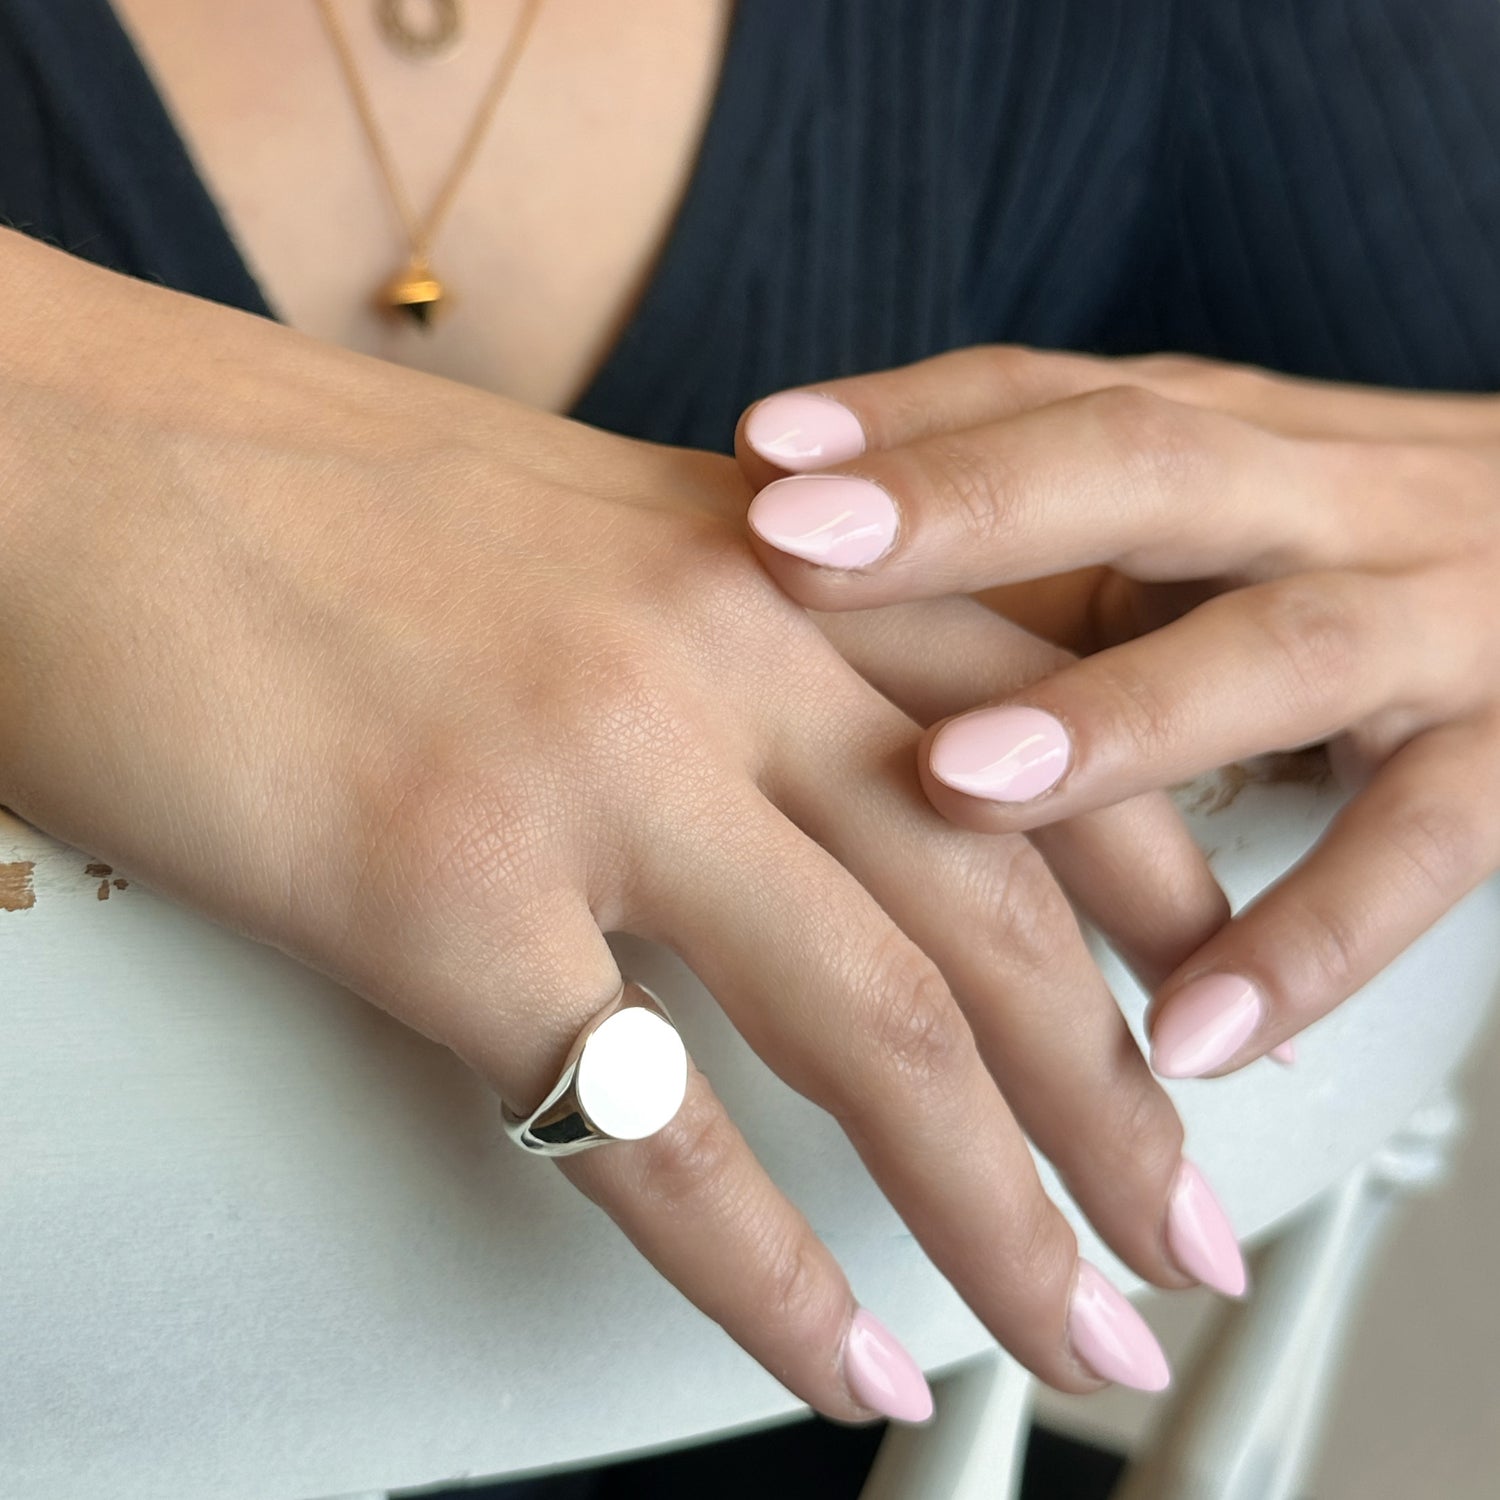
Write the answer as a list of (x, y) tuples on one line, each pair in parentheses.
[(102, 872), (1307, 767), (16, 890)]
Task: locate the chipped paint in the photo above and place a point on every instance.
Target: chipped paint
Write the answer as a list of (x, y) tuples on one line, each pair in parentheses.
[(16, 890), (101, 872), (1305, 767)]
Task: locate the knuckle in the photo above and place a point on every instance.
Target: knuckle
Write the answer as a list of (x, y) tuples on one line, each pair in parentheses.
[(979, 490), (1158, 446), (691, 1159), (1135, 419), (1039, 1250), (1196, 378), (796, 1290), (619, 706), (1145, 1135), (912, 1027), (441, 822), (1018, 906), (1019, 375), (1313, 629), (1146, 712), (1441, 846), (1329, 952)]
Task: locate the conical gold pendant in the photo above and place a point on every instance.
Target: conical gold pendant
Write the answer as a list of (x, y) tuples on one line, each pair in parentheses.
[(414, 293)]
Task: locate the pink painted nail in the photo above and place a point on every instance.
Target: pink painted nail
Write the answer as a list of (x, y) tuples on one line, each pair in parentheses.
[(1284, 1052), (830, 519), (798, 430), (1111, 1337), (1205, 1024), (881, 1374), (1200, 1236), (1004, 754)]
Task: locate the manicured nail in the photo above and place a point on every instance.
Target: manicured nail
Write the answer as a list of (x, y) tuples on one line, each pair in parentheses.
[(881, 1374), (797, 430), (830, 519), (1111, 1337), (1284, 1052), (1200, 1236), (1205, 1024), (1005, 754)]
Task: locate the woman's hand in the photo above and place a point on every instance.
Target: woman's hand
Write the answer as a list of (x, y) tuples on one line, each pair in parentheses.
[(1285, 562), (430, 690)]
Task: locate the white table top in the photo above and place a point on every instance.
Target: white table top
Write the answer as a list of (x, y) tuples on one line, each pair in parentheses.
[(259, 1242)]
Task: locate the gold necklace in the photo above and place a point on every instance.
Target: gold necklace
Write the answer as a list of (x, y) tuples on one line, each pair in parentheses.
[(414, 290)]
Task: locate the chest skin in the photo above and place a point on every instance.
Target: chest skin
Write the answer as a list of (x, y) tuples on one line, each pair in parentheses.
[(555, 230)]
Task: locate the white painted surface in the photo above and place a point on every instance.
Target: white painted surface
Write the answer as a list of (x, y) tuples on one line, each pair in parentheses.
[(258, 1242)]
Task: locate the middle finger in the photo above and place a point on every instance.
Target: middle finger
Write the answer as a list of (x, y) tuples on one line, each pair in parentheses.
[(994, 921)]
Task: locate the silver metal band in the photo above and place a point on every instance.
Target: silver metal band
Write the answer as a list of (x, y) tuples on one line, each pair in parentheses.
[(624, 1078)]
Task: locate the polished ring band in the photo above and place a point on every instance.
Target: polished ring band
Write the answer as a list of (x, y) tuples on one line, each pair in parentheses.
[(624, 1078)]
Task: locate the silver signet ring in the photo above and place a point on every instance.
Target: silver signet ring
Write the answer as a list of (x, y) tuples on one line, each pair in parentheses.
[(624, 1078)]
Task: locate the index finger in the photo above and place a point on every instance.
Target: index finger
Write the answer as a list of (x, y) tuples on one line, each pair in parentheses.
[(1119, 476)]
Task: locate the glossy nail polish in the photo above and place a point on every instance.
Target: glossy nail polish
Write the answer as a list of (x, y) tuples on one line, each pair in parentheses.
[(798, 430), (1009, 754), (1111, 1337), (1284, 1052), (881, 1374), (1200, 1236), (1204, 1024), (831, 519)]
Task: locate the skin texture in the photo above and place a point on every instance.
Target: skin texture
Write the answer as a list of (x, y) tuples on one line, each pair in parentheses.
[(1262, 564), (432, 703)]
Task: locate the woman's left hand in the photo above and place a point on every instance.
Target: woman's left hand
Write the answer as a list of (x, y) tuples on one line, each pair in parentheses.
[(1271, 563)]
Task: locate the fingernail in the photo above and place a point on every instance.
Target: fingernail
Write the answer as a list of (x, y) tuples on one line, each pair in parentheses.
[(797, 430), (1200, 1236), (1284, 1052), (1111, 1337), (1005, 754), (1204, 1025), (881, 1374), (830, 519)]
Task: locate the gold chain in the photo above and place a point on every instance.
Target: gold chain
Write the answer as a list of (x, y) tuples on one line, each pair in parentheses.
[(421, 233)]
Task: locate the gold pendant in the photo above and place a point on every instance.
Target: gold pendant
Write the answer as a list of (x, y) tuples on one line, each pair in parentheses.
[(414, 292)]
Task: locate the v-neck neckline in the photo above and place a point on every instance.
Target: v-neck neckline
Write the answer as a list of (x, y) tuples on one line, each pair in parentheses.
[(751, 81)]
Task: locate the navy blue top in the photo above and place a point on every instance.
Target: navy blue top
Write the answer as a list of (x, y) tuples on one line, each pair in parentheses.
[(1312, 185)]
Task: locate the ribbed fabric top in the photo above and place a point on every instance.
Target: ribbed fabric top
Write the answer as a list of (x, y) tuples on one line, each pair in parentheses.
[(1313, 185)]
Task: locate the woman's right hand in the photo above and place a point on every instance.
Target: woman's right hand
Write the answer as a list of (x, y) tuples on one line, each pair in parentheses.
[(430, 690)]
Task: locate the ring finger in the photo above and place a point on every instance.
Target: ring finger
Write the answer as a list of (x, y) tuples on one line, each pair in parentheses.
[(851, 1013), (692, 1197), (992, 919)]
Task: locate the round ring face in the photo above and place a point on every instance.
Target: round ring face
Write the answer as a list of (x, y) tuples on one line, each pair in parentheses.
[(632, 1074)]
